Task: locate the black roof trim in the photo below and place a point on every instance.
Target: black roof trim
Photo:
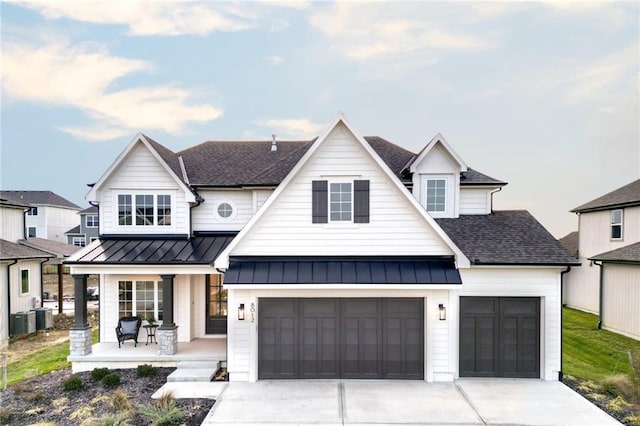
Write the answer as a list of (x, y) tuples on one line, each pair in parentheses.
[(144, 236)]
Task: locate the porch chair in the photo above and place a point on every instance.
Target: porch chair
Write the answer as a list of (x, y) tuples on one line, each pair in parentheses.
[(127, 329)]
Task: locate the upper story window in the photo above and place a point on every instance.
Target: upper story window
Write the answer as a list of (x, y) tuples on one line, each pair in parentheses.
[(33, 211), (340, 202), (150, 210), (617, 218), (79, 241), (92, 221), (25, 285), (225, 210), (436, 195)]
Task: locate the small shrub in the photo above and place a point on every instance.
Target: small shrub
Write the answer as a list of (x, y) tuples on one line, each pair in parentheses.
[(81, 413), (619, 385), (595, 396), (111, 380), (121, 419), (120, 401), (632, 420), (73, 383), (146, 370), (98, 373), (161, 414), (5, 415), (35, 396), (618, 405)]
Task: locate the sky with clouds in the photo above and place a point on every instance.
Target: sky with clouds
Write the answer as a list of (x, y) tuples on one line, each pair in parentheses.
[(542, 95)]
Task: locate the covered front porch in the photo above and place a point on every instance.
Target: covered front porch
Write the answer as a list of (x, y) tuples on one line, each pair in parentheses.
[(107, 354)]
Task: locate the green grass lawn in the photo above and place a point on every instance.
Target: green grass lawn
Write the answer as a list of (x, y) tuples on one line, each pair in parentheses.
[(592, 354), (42, 361)]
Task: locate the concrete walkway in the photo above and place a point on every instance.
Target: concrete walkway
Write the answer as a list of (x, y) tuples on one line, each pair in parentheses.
[(391, 402)]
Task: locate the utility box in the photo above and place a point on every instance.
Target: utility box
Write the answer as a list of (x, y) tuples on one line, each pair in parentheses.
[(44, 318), (22, 323)]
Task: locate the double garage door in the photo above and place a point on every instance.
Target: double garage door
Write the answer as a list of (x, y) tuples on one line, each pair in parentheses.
[(370, 338), (500, 337)]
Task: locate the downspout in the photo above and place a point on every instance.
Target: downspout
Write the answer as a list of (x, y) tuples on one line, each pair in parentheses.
[(9, 295), (601, 287), (562, 273), (24, 228), (199, 201), (493, 192), (42, 282)]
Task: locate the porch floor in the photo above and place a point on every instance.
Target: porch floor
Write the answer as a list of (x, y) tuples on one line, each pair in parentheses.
[(107, 354)]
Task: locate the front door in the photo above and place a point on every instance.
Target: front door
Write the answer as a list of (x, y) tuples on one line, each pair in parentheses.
[(216, 305)]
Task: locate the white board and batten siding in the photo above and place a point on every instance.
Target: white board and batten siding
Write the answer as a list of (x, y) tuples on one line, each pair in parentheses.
[(287, 228), (582, 287), (621, 299), (245, 203), (141, 173), (595, 231), (475, 201), (11, 223), (518, 282)]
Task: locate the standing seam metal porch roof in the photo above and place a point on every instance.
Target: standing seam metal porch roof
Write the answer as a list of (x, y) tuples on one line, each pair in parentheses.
[(200, 250), (342, 270)]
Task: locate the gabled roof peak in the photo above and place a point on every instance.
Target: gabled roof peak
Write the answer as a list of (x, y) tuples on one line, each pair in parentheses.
[(437, 139)]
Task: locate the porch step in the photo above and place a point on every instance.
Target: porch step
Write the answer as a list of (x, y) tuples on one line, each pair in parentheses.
[(198, 364), (194, 371)]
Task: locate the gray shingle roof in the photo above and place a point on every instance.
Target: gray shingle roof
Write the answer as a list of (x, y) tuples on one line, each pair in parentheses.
[(9, 250), (89, 210), (512, 237), (630, 253), (169, 157), (625, 196), (74, 230), (38, 198), (52, 247), (570, 243), (473, 177)]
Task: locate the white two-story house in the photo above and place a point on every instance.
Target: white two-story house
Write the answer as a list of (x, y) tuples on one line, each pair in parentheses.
[(339, 257), (608, 281)]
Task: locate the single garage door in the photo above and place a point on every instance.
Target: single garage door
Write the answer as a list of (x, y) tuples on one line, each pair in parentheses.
[(370, 338), (499, 337)]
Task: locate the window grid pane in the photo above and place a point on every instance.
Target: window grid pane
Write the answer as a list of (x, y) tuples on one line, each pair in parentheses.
[(164, 210), (145, 299), (436, 195), (25, 281), (340, 202), (125, 299), (92, 221), (124, 210), (144, 210), (616, 224)]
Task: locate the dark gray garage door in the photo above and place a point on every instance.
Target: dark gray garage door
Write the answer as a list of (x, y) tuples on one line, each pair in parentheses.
[(341, 338), (499, 337)]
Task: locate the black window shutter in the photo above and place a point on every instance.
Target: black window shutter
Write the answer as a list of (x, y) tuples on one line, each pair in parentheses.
[(360, 201), (319, 209)]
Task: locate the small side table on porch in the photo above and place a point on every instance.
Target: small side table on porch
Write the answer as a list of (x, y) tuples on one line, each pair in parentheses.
[(151, 333)]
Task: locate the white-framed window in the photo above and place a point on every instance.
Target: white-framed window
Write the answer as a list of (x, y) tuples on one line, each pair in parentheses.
[(33, 211), (79, 241), (140, 298), (144, 210), (92, 221), (226, 210), (25, 284), (340, 201), (31, 232), (617, 219), (436, 195)]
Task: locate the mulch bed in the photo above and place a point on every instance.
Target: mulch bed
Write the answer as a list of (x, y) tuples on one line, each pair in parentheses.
[(43, 399)]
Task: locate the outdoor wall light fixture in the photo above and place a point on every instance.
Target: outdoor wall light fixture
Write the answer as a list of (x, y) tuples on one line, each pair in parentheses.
[(241, 312), (442, 312)]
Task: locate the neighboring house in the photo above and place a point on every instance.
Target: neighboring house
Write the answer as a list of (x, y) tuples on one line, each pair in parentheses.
[(49, 215), (20, 268), (87, 231), (608, 281), (570, 243), (339, 257)]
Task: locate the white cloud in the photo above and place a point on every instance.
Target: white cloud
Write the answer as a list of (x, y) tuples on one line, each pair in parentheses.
[(146, 18), (368, 31), (275, 60), (296, 127), (82, 77)]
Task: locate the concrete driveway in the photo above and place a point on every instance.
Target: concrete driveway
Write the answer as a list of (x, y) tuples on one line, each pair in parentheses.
[(390, 402)]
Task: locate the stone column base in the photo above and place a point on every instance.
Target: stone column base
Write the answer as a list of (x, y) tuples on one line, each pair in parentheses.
[(167, 340), (80, 341)]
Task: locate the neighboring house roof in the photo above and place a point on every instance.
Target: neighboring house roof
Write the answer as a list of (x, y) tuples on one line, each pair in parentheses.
[(570, 243), (52, 247), (10, 251), (74, 230), (505, 238), (201, 250), (625, 196), (630, 253), (89, 210), (341, 270), (47, 198), (6, 203)]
